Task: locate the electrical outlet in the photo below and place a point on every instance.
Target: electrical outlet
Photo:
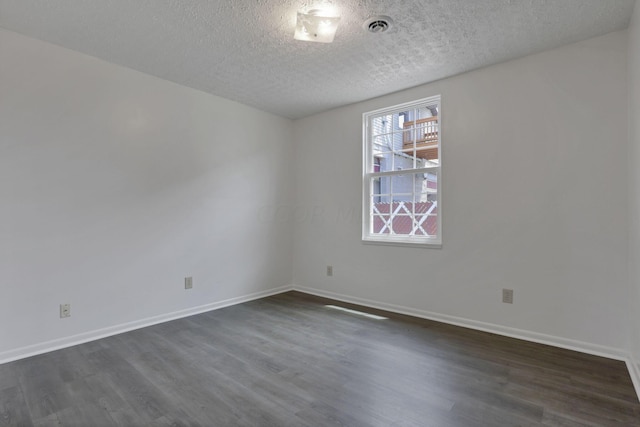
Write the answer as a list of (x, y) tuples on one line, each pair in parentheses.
[(507, 296), (329, 270), (188, 282), (65, 310)]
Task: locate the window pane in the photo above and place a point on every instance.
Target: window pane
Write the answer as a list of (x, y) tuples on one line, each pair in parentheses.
[(403, 187), (396, 187), (427, 186), (405, 204), (380, 225), (385, 162), (422, 133), (381, 144), (382, 124), (380, 206), (381, 188), (426, 207)]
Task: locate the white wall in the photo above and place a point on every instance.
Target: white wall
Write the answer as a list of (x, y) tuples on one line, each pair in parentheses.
[(115, 185), (534, 198), (634, 180)]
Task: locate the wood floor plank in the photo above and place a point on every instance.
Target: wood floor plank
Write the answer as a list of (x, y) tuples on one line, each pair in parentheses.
[(8, 377), (42, 386), (293, 360), (13, 408)]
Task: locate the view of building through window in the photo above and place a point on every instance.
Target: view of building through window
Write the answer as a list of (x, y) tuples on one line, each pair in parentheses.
[(402, 166)]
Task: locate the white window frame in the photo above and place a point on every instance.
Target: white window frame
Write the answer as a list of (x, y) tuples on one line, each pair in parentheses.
[(368, 173)]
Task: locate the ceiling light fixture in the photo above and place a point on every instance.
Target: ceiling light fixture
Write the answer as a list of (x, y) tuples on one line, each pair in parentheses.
[(316, 26)]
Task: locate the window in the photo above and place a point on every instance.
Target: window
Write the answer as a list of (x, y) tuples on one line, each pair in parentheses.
[(402, 174)]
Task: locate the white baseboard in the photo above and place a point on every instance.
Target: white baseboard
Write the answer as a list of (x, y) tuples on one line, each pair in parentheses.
[(632, 365), (634, 371), (569, 344), (45, 347)]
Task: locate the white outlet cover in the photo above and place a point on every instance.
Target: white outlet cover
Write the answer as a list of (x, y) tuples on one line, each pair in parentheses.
[(65, 310), (507, 296)]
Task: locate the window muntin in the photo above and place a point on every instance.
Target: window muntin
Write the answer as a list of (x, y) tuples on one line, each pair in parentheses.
[(401, 176)]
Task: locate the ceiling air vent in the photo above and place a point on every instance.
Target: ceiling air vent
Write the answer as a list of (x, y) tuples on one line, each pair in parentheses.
[(378, 24)]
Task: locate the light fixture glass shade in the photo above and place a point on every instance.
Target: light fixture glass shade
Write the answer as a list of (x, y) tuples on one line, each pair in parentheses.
[(313, 26)]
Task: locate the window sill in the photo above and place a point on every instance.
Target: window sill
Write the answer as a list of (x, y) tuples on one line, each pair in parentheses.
[(431, 243)]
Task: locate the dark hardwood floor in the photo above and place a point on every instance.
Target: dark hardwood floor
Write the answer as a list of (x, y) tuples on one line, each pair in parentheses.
[(289, 360)]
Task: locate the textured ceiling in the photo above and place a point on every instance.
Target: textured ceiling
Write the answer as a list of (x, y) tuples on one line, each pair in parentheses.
[(244, 49)]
